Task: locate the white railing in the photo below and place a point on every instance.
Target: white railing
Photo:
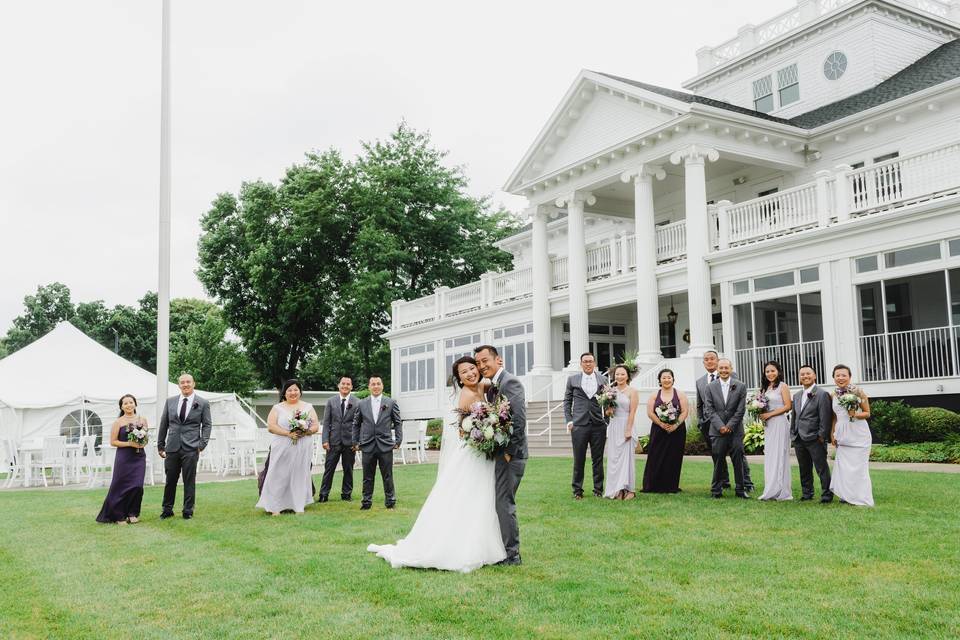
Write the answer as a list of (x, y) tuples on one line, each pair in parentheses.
[(750, 362), (464, 299), (598, 262), (628, 252), (910, 355), (512, 285), (648, 379), (671, 241), (778, 213), (558, 273), (919, 175), (416, 311)]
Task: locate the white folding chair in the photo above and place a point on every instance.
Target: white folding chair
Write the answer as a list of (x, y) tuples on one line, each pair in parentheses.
[(422, 444), (261, 449), (103, 465), (54, 456), (87, 456), (12, 462), (411, 441)]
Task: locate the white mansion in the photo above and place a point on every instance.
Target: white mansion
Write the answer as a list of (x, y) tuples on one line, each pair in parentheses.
[(800, 201)]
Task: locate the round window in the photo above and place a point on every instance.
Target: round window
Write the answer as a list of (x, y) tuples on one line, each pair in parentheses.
[(835, 65)]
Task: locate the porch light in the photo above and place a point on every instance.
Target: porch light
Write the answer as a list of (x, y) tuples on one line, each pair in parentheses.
[(672, 314)]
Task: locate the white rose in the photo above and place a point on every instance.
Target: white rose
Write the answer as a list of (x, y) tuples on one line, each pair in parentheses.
[(488, 433), (467, 423)]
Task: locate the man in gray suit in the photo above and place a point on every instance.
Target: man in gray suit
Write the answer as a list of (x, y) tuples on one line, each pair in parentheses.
[(184, 432), (725, 404), (377, 431), (337, 440), (511, 460), (586, 424), (810, 426), (710, 361)]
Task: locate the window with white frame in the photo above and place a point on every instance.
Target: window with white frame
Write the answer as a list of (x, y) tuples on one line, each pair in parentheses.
[(417, 367), (788, 85), (515, 345), (76, 424), (763, 94), (456, 348)]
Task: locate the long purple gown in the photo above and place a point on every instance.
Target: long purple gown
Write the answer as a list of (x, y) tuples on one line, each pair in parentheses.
[(126, 488)]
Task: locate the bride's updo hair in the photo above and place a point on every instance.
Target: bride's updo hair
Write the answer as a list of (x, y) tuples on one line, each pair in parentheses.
[(455, 372)]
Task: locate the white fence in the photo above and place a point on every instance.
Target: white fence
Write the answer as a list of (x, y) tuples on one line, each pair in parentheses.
[(750, 362), (910, 355)]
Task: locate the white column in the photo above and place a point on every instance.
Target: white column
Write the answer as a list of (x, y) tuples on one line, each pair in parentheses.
[(541, 293), (698, 244), (163, 286), (648, 322), (577, 272)]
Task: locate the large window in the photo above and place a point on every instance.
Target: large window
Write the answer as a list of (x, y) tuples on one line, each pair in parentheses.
[(76, 424), (417, 367), (788, 84), (515, 345), (608, 344), (456, 348), (763, 94)]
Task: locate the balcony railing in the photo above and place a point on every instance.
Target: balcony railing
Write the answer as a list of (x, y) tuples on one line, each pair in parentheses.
[(749, 362), (910, 355), (830, 199)]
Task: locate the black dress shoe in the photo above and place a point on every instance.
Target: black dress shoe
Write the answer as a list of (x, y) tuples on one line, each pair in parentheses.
[(806, 498), (716, 495), (745, 496), (578, 496), (187, 516), (346, 498), (164, 516), (364, 507), (391, 505), (826, 499), (513, 560), (597, 494), (322, 499), (725, 485)]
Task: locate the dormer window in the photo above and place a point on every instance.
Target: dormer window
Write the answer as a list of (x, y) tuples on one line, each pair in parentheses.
[(788, 82), (763, 94)]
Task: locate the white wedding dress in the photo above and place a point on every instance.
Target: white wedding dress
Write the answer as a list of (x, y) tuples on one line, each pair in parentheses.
[(457, 528)]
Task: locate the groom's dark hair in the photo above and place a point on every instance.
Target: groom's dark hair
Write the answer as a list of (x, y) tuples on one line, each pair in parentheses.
[(492, 350)]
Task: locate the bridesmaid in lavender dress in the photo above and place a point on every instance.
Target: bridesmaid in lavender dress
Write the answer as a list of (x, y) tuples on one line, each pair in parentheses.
[(622, 440), (667, 440), (851, 436), (122, 504), (776, 435)]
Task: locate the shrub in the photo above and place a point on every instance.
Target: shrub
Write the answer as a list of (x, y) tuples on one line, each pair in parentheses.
[(435, 427), (753, 438), (364, 393), (695, 444), (433, 442), (890, 421), (642, 443), (933, 424), (917, 452)]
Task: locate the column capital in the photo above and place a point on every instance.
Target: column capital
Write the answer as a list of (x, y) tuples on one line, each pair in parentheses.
[(694, 154), (643, 173), (544, 211), (576, 198)]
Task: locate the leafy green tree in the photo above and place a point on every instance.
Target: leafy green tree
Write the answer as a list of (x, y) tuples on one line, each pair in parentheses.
[(217, 364), (42, 311)]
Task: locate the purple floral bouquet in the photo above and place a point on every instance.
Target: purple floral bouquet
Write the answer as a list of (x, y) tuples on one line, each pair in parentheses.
[(667, 413), (848, 397), (607, 397), (757, 405), (137, 433), (487, 426), (300, 422)]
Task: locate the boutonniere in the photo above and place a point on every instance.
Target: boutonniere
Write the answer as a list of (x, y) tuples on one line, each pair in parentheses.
[(809, 395), (196, 405), (733, 386), (349, 406)]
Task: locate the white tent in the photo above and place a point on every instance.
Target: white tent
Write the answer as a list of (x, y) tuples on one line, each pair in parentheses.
[(66, 383)]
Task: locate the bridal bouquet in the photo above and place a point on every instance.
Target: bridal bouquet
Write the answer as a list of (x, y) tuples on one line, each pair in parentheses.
[(848, 397), (667, 413), (137, 434), (757, 404), (487, 426), (300, 422), (607, 397)]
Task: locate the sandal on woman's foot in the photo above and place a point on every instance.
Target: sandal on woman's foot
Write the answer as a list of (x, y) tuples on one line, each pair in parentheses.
[(629, 495), (133, 520)]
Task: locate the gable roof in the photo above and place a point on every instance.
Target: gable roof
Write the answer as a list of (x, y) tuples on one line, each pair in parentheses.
[(939, 66)]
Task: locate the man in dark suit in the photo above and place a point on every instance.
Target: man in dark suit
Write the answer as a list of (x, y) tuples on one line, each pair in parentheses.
[(585, 422), (810, 426), (184, 432), (710, 361), (377, 431), (511, 460), (725, 404), (337, 440)]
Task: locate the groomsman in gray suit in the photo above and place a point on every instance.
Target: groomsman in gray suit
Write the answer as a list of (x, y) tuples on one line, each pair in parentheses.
[(184, 432), (585, 422), (725, 404), (810, 426), (337, 440), (710, 361), (377, 431)]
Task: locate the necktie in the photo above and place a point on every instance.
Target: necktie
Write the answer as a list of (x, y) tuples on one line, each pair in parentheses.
[(183, 410), (713, 377), (343, 407)]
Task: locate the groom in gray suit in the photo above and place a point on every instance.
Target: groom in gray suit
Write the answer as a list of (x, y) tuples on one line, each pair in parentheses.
[(377, 431), (585, 422), (184, 432), (810, 425), (725, 404), (511, 460), (710, 361)]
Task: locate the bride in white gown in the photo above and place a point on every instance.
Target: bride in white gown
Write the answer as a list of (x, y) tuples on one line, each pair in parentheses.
[(457, 528)]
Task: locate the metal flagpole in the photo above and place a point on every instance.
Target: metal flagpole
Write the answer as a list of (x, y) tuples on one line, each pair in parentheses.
[(163, 289)]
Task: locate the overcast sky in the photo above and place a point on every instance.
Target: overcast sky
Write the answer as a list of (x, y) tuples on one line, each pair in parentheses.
[(256, 83)]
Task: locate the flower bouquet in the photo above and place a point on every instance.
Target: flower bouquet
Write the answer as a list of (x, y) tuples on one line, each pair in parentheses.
[(300, 423), (848, 397), (137, 433), (487, 426), (607, 397), (667, 413), (757, 405)]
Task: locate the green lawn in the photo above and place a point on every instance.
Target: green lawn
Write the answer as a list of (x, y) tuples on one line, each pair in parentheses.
[(659, 567)]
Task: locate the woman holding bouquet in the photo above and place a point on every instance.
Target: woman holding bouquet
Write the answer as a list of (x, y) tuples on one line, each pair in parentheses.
[(457, 529), (129, 435), (292, 422), (851, 436), (621, 438), (774, 398), (667, 409)]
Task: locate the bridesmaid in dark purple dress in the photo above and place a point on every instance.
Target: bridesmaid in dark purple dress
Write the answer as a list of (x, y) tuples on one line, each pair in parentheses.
[(122, 504), (667, 438)]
